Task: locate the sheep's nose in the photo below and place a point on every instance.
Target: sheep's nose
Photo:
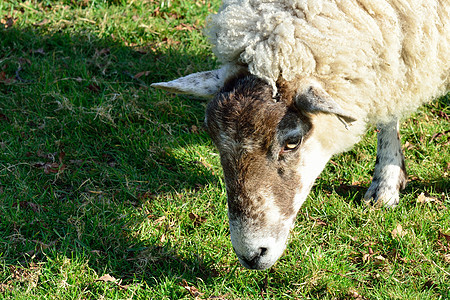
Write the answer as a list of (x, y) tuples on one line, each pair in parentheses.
[(253, 262)]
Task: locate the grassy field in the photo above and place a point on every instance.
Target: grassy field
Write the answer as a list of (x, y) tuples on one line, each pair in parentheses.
[(110, 189)]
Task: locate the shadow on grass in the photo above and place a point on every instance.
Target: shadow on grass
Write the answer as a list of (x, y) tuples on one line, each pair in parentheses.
[(438, 185), (355, 193), (85, 143)]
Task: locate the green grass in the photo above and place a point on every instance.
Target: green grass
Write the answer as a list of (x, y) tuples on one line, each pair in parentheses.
[(100, 174)]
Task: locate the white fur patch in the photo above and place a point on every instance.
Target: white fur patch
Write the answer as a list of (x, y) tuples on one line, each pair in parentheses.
[(389, 174), (313, 159)]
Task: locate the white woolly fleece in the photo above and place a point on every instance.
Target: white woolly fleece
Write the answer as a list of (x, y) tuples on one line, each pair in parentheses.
[(379, 59)]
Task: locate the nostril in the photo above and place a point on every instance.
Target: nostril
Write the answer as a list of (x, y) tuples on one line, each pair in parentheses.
[(253, 261), (262, 251)]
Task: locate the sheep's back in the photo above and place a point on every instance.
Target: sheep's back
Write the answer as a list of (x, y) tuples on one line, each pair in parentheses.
[(381, 52)]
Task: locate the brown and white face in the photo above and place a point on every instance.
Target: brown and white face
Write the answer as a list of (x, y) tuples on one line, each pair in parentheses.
[(259, 139), (270, 158)]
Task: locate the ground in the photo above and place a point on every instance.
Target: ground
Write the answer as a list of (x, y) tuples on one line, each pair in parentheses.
[(110, 189)]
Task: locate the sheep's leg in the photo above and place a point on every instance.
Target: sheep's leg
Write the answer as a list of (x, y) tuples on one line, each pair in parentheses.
[(390, 174)]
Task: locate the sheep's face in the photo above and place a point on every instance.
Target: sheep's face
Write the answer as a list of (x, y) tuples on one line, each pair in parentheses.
[(271, 149), (259, 139)]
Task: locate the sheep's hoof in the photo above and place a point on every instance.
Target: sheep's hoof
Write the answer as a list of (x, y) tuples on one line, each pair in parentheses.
[(379, 195)]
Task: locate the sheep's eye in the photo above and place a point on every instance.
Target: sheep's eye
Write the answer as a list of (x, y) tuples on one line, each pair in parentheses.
[(292, 144)]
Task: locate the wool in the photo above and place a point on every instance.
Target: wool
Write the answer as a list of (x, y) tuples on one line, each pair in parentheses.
[(378, 59)]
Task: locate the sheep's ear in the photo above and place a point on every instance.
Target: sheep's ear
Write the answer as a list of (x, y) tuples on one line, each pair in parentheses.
[(314, 98), (202, 84)]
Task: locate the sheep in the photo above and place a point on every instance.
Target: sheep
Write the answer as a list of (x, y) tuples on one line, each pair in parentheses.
[(300, 81)]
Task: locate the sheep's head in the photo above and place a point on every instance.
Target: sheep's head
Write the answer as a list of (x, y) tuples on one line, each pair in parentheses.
[(269, 157), (259, 140)]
